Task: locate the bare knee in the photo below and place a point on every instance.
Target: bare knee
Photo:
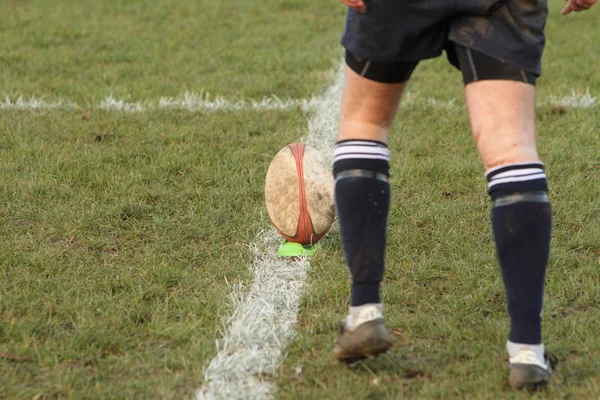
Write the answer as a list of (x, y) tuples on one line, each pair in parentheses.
[(500, 146), (368, 107), (503, 121)]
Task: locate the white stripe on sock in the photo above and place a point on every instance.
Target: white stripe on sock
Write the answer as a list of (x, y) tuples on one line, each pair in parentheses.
[(516, 179), (362, 156), (355, 149), (518, 172), (361, 149), (489, 171)]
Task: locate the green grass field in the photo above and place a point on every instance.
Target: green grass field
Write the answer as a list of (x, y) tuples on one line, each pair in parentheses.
[(122, 234)]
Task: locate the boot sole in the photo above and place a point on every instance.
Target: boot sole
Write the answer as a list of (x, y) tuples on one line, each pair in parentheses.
[(367, 349), (531, 383)]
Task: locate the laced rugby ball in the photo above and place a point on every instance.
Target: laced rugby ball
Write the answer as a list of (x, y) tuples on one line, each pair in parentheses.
[(299, 194)]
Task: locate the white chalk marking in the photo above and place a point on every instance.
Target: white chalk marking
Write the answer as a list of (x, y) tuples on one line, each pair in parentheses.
[(585, 100), (203, 101), (110, 103), (264, 317), (188, 101), (33, 103)]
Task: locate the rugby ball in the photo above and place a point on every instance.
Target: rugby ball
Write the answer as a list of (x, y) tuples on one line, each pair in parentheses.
[(299, 194)]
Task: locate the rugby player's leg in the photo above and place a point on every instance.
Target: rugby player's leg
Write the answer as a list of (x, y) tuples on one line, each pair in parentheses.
[(501, 104), (369, 103), (371, 96)]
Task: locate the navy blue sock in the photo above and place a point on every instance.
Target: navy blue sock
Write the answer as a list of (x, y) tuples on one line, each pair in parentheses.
[(362, 195), (522, 224)]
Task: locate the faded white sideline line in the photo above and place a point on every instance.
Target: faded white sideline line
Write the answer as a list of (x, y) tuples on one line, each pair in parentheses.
[(188, 101), (34, 103), (264, 316), (196, 102), (585, 100)]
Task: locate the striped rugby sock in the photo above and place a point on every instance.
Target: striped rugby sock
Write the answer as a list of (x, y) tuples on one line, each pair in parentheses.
[(362, 196), (361, 154), (522, 224), (517, 177)]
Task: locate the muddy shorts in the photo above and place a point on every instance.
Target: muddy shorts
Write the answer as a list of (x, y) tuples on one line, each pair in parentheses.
[(392, 31)]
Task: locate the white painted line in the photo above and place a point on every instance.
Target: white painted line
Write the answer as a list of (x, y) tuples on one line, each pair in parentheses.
[(264, 316), (261, 326), (203, 101), (110, 103), (188, 101), (33, 103), (585, 100), (196, 102)]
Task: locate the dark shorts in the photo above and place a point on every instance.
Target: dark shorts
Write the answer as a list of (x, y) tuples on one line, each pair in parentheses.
[(393, 31)]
